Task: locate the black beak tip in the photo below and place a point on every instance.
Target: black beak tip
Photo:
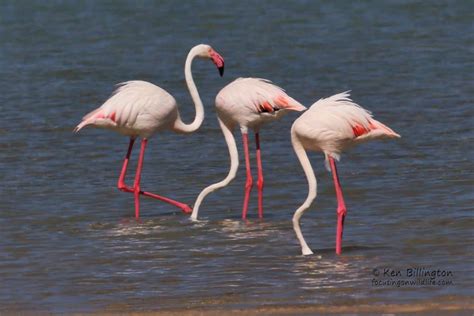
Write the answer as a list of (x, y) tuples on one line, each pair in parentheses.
[(221, 71)]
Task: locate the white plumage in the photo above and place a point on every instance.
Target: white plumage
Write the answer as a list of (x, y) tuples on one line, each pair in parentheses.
[(336, 123), (251, 102), (136, 108), (331, 125)]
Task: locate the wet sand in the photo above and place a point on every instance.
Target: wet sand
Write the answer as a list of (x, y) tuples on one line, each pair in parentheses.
[(446, 307)]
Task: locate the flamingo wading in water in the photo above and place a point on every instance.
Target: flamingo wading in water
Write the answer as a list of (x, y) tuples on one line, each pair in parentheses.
[(140, 109), (247, 103), (331, 125)]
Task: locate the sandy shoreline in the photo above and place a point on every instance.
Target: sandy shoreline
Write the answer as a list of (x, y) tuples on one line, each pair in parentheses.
[(463, 307), (455, 309)]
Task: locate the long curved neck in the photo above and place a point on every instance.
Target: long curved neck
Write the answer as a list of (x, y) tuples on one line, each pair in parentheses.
[(179, 125), (234, 165), (312, 190)]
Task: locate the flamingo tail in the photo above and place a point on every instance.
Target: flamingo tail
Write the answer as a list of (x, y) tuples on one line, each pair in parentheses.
[(97, 118)]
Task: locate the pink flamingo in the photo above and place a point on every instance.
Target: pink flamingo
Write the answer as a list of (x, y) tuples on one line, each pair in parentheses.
[(140, 109), (331, 125), (248, 103)]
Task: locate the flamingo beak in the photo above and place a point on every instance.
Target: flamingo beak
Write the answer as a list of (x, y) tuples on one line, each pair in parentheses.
[(221, 70), (218, 61)]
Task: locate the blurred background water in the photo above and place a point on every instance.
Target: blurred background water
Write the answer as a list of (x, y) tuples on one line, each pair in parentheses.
[(68, 241)]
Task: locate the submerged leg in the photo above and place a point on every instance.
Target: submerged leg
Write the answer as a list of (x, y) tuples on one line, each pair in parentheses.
[(260, 177), (249, 182), (124, 188), (341, 206)]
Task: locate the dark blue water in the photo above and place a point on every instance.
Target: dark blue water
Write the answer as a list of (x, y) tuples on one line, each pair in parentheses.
[(68, 241)]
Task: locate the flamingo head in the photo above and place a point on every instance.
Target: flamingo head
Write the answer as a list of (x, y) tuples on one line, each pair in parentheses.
[(206, 51)]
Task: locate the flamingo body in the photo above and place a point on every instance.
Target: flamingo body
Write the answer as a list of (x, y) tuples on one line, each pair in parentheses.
[(334, 124), (247, 103), (331, 125), (252, 102), (136, 108)]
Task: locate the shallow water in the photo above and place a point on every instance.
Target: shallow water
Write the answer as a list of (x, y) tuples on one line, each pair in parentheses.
[(68, 241)]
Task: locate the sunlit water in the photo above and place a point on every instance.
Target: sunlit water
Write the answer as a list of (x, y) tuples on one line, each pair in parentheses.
[(68, 241)]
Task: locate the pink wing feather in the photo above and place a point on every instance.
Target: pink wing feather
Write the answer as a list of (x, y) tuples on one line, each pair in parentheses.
[(335, 123), (340, 113), (261, 93)]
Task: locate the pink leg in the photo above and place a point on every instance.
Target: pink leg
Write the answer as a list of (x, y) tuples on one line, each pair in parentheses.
[(124, 188), (184, 207), (341, 207), (138, 176), (249, 182), (260, 177)]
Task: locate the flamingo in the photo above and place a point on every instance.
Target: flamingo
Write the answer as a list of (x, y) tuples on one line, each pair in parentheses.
[(140, 109), (331, 125), (248, 103)]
